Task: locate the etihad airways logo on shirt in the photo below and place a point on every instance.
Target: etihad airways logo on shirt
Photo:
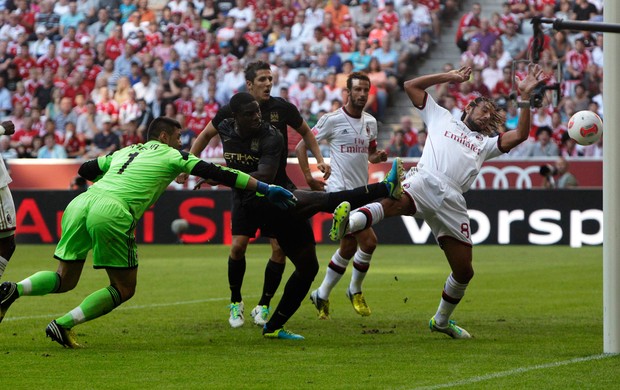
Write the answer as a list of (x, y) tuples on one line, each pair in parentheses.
[(463, 140), (240, 158)]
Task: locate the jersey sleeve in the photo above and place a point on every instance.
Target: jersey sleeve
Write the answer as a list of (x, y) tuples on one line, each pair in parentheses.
[(104, 162), (322, 130), (431, 111), (184, 160), (293, 117)]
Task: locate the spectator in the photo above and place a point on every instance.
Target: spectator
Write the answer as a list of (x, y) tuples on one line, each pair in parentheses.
[(186, 48), (560, 169), (383, 85), (71, 18), (513, 43), (75, 143), (468, 26), (51, 149), (410, 132), (320, 70), (361, 57), (477, 84), (87, 123), (129, 111), (417, 149), (122, 64), (422, 17), (474, 57), (397, 146), (105, 141), (363, 17), (581, 99), (486, 36), (331, 89), (6, 150), (301, 91), (411, 32), (103, 27), (338, 11), (238, 44), (569, 148), (321, 103), (583, 10), (390, 17), (388, 58), (145, 89), (126, 9), (40, 46), (544, 145), (492, 74), (65, 114)]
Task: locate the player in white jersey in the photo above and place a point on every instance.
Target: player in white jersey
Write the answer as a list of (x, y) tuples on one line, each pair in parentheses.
[(352, 137), (7, 208), (454, 153)]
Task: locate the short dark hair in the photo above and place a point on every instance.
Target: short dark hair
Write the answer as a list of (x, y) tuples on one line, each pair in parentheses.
[(239, 100), (356, 76), (162, 124), (253, 67)]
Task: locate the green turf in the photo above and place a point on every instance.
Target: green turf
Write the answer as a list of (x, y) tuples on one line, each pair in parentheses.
[(534, 312)]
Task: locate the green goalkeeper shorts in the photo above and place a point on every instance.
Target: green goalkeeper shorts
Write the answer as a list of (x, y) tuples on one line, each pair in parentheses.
[(104, 224)]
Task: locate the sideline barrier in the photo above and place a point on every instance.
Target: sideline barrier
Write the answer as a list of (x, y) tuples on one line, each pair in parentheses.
[(539, 217)]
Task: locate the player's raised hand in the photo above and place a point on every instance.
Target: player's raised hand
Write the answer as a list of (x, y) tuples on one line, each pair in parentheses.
[(462, 74), (535, 76), (9, 127), (280, 197)]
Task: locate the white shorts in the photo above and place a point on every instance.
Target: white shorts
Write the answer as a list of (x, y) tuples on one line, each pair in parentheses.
[(440, 204), (7, 208)]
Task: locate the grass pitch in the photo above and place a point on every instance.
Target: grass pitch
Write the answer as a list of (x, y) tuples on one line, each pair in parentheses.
[(535, 312)]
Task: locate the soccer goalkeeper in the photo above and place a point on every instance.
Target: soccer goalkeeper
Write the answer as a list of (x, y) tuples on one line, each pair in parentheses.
[(104, 219)]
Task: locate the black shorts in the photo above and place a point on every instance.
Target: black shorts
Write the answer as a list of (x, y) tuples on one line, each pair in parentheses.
[(291, 231)]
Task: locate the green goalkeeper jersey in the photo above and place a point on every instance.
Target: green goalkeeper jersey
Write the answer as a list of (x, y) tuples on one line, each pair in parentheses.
[(138, 174)]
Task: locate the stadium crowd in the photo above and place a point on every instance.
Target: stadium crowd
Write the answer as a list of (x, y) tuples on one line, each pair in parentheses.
[(81, 78)]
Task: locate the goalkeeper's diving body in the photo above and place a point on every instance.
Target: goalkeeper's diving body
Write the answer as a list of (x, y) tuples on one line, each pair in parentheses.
[(104, 219)]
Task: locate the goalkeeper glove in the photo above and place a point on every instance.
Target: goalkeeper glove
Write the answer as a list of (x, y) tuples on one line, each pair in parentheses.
[(277, 195)]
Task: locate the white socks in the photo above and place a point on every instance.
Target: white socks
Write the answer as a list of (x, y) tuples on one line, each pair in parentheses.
[(452, 293), (336, 268), (361, 262)]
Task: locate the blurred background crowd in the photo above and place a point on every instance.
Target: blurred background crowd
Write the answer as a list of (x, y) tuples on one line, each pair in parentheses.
[(82, 78)]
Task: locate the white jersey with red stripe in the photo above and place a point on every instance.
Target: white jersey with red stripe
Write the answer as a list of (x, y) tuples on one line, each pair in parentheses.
[(453, 150), (349, 140)]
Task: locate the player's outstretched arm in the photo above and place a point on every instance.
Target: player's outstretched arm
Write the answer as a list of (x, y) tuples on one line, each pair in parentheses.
[(416, 88), (534, 77), (240, 180)]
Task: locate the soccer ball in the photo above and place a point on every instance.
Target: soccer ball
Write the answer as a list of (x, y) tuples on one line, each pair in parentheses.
[(585, 127)]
